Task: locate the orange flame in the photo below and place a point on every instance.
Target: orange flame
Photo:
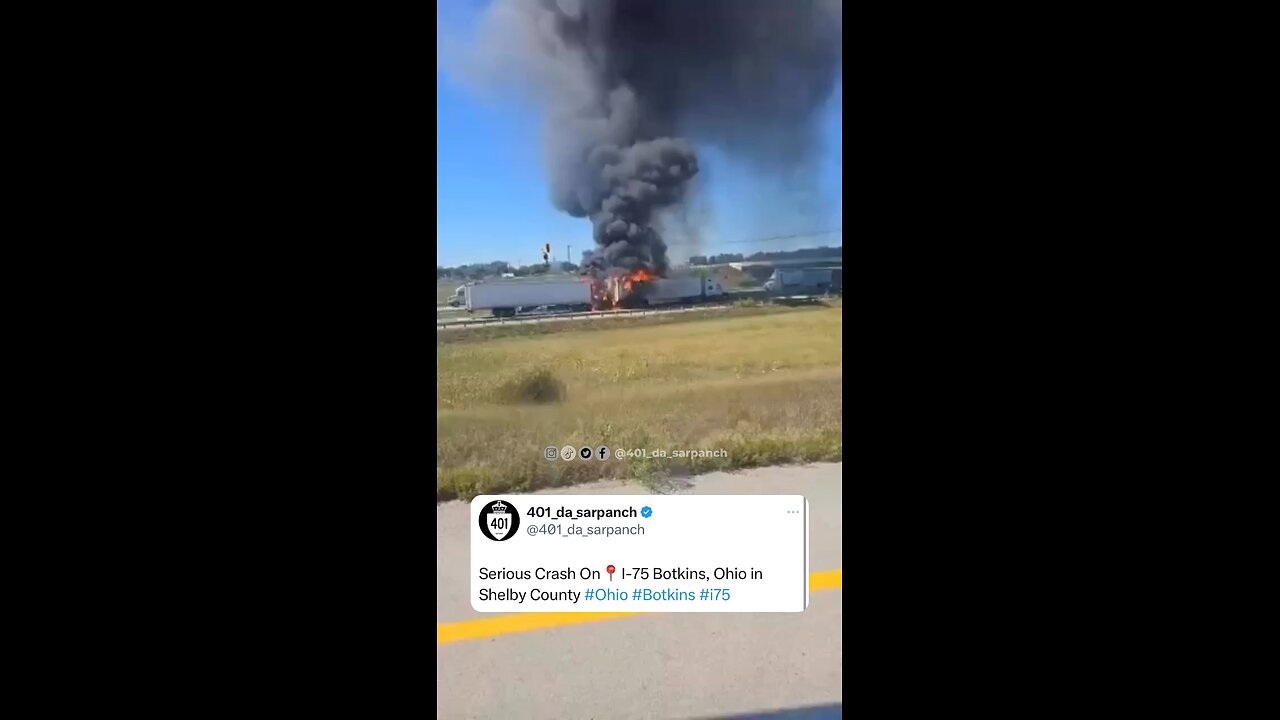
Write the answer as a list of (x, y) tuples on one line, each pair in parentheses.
[(612, 291), (629, 280)]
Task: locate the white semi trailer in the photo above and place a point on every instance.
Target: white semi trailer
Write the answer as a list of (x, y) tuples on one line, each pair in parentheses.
[(683, 289), (824, 280), (507, 298)]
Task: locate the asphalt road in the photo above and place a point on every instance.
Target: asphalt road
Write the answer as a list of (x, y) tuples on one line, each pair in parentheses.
[(675, 665)]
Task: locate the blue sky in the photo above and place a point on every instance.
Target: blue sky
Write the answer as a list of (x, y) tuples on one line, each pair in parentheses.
[(492, 199)]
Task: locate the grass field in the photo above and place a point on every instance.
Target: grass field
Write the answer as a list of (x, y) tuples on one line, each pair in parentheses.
[(763, 384), (445, 290)]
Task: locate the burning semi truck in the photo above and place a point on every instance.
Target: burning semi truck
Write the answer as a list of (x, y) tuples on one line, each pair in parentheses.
[(640, 288), (615, 290)]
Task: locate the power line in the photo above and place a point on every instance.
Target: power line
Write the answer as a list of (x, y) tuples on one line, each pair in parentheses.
[(779, 237)]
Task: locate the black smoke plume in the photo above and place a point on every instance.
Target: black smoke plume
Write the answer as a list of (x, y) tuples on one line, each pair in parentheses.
[(627, 87)]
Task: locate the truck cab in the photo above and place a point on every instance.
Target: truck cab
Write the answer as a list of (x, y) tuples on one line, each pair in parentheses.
[(774, 283)]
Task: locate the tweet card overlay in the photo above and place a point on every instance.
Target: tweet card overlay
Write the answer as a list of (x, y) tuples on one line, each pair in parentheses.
[(639, 553)]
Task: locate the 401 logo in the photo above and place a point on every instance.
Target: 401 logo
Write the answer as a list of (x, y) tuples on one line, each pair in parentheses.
[(499, 520)]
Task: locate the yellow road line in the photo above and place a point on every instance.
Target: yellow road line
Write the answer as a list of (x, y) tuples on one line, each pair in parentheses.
[(828, 580), (526, 622)]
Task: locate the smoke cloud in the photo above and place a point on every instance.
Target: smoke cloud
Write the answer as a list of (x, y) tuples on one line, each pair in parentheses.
[(627, 87)]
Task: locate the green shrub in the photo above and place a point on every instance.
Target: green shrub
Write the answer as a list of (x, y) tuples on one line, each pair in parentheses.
[(537, 386)]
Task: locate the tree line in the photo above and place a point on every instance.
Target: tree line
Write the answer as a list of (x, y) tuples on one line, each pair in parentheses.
[(801, 254), (479, 271)]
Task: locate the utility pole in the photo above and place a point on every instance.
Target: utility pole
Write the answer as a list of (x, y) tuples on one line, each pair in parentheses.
[(568, 253)]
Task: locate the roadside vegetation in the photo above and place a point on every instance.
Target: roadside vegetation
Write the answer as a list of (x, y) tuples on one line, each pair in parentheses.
[(477, 333), (761, 383)]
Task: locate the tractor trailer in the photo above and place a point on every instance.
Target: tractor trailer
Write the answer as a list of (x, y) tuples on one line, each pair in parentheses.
[(822, 280), (507, 298), (682, 289)]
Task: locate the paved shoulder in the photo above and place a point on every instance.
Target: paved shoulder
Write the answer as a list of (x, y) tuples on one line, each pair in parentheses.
[(670, 665)]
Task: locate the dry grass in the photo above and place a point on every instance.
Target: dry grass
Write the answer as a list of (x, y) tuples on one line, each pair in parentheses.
[(445, 289), (765, 387), (480, 333)]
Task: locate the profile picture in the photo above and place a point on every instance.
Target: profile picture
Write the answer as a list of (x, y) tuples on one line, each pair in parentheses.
[(499, 520)]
